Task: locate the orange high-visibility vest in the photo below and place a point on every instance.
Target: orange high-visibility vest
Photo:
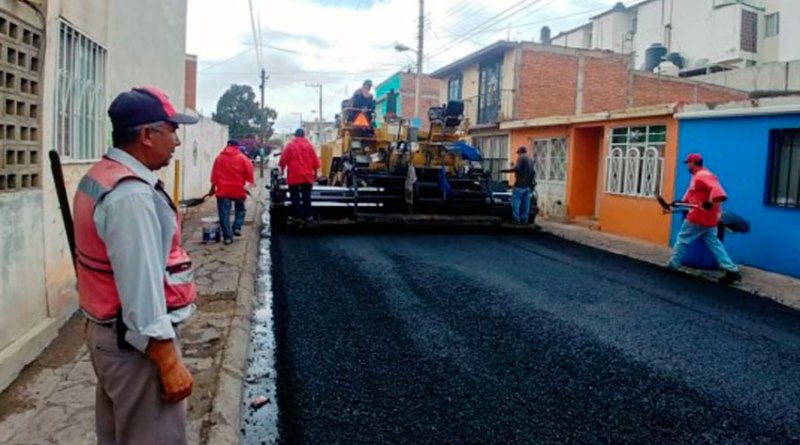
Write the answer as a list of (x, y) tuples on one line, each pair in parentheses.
[(96, 288)]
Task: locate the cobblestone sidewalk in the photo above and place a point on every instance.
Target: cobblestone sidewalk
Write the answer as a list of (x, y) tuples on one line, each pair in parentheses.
[(52, 401)]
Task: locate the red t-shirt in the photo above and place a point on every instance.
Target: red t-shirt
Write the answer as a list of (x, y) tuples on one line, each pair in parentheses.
[(704, 187), (231, 171), (301, 160)]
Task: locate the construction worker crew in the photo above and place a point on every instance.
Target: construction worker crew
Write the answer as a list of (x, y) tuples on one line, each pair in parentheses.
[(706, 195), (524, 181), (231, 174), (134, 279), (303, 165)]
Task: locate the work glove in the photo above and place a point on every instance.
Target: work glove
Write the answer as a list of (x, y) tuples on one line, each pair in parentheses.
[(707, 205), (176, 380)]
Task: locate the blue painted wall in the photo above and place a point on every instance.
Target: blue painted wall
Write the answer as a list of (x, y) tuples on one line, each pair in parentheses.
[(737, 150), (383, 89)]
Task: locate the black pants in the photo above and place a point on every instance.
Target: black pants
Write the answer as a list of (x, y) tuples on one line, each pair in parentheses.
[(300, 209)]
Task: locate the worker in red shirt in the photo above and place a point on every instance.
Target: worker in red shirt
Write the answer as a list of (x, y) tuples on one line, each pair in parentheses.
[(302, 163), (706, 195), (231, 173)]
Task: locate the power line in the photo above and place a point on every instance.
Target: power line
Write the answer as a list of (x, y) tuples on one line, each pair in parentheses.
[(544, 21), (505, 14), (229, 59), (490, 21)]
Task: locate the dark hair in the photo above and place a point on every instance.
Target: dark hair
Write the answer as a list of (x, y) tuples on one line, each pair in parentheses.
[(233, 142), (698, 163), (122, 137), (299, 133)]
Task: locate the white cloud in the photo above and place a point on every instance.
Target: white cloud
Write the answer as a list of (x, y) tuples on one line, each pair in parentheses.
[(340, 46)]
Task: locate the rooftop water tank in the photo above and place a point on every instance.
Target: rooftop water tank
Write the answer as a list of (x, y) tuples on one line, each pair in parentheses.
[(653, 56), (677, 59)]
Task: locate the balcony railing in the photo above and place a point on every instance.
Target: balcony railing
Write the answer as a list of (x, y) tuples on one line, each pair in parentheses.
[(490, 108)]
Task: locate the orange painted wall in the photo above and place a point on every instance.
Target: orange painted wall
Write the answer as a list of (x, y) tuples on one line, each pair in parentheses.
[(640, 218), (585, 145), (528, 135)]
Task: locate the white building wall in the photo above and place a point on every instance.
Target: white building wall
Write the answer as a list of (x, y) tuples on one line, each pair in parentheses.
[(610, 31), (145, 41), (789, 49), (649, 30), (577, 38), (779, 76), (201, 144)]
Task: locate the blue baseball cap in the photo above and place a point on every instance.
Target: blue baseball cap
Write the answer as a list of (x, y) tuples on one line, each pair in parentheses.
[(145, 105)]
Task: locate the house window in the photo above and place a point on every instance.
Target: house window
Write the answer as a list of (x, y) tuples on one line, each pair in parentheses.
[(785, 174), (635, 162), (80, 96), (773, 25), (489, 92), (495, 154), (749, 31), (454, 87)]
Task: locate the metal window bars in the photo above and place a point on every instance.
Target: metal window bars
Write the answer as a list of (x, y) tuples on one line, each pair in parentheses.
[(635, 161), (80, 96)]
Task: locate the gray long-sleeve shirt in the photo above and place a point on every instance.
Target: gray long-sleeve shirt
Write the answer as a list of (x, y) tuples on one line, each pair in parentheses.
[(136, 222)]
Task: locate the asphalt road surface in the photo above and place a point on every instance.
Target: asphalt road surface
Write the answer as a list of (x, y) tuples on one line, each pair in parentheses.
[(458, 338)]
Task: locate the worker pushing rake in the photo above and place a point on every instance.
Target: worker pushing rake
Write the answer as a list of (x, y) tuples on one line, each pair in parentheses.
[(703, 206)]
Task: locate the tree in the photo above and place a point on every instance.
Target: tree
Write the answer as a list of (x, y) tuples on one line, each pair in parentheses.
[(239, 110)]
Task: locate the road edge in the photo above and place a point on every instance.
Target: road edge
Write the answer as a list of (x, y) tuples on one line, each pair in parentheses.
[(226, 415)]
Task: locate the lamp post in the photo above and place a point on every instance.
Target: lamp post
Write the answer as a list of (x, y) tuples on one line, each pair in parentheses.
[(401, 48)]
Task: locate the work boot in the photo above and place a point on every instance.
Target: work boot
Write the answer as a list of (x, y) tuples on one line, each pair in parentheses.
[(730, 278)]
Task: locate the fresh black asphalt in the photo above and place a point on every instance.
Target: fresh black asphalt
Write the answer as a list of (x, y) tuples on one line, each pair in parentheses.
[(496, 338)]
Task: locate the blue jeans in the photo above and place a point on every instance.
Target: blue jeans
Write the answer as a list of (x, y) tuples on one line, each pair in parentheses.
[(224, 208), (521, 204), (691, 232)]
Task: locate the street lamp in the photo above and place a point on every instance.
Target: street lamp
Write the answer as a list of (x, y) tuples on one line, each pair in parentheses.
[(399, 47)]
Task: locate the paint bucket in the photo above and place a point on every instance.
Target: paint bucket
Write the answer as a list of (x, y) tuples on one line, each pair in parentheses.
[(211, 229)]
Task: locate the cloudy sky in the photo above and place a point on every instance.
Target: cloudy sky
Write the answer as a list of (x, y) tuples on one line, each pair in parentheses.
[(339, 43)]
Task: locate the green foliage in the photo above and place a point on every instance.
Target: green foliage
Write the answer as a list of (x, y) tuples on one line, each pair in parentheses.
[(239, 110)]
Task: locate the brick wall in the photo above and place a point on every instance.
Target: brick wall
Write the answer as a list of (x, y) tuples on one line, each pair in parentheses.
[(650, 89), (429, 96), (190, 91), (605, 84), (550, 84), (547, 85)]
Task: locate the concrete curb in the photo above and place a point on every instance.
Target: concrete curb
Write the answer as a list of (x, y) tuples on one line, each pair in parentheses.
[(226, 416)]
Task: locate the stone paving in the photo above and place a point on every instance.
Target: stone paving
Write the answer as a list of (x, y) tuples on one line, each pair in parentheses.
[(52, 401)]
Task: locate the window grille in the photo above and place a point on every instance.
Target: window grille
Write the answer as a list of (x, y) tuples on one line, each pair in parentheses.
[(80, 121), (635, 161)]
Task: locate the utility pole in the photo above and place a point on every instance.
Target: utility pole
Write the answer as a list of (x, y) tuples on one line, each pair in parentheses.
[(420, 39), (263, 87), (319, 124)]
